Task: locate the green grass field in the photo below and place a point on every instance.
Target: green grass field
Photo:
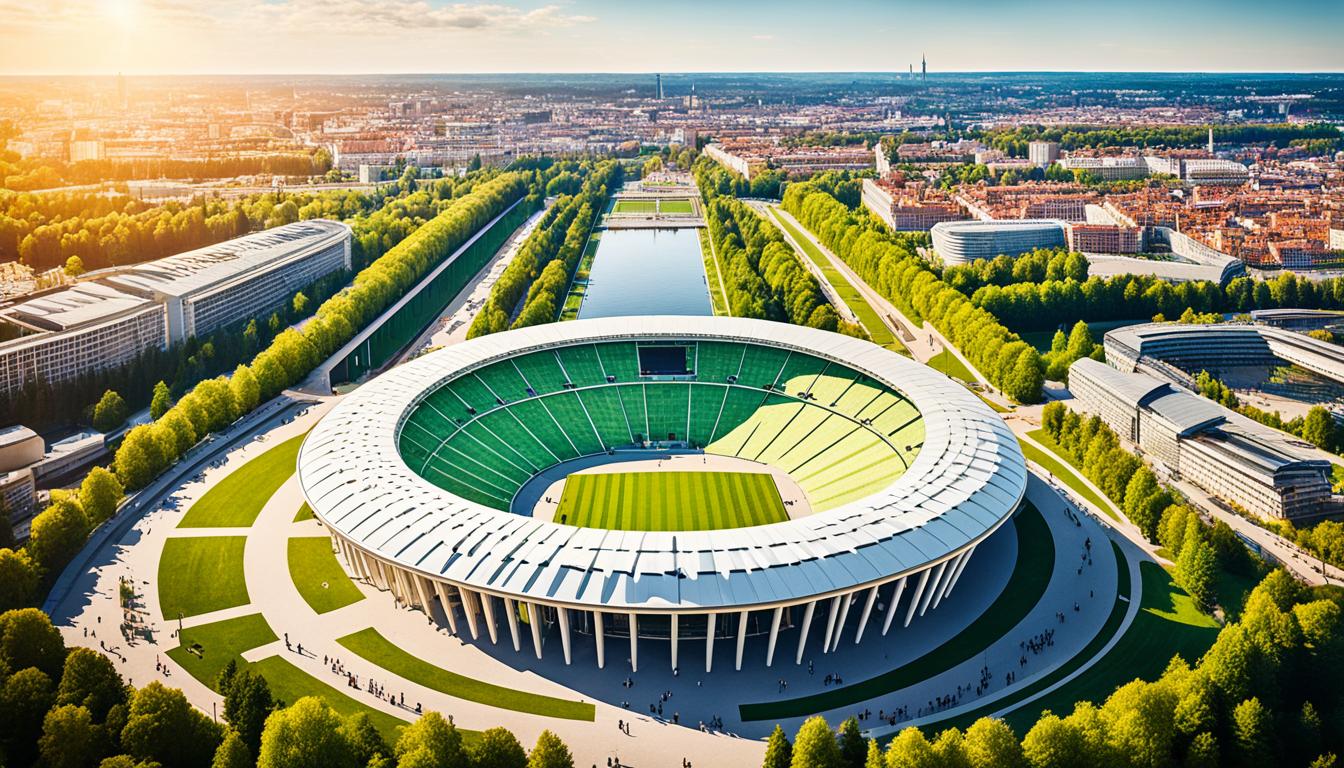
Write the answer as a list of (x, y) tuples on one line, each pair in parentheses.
[(675, 206), (1056, 463), (318, 576), (635, 206), (305, 513), (717, 300), (377, 649), (235, 501), (206, 649), (200, 574), (1030, 577), (951, 365), (670, 501), (289, 684)]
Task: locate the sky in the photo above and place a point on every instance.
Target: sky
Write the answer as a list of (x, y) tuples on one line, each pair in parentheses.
[(138, 37)]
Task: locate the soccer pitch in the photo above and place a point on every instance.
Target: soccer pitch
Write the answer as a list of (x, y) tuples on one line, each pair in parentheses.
[(670, 501), (675, 206), (635, 206)]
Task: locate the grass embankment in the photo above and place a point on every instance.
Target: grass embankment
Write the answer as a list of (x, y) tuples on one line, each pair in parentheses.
[(1057, 462), (235, 501), (375, 648), (201, 574), (318, 576), (1029, 579), (716, 298), (947, 363), (579, 285)]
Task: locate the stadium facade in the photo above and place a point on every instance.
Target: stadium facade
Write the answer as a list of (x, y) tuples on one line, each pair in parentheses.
[(415, 475)]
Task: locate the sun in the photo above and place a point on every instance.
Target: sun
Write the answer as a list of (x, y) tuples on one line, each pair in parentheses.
[(121, 12)]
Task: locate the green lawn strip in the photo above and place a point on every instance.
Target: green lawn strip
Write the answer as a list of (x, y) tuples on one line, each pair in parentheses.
[(717, 300), (305, 513), (993, 405), (206, 649), (235, 501), (289, 684), (1168, 623), (579, 285), (951, 365), (201, 574), (318, 576), (1055, 461), (1030, 577), (375, 648), (675, 206), (635, 206)]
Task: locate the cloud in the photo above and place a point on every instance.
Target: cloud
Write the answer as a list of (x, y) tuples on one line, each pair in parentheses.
[(762, 37)]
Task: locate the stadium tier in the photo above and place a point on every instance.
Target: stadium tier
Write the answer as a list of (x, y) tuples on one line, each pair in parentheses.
[(418, 475)]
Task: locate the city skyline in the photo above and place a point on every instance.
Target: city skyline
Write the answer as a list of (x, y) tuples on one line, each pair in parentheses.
[(146, 37)]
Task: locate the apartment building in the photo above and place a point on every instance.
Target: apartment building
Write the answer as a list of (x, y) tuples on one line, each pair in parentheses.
[(909, 208), (961, 242), (1105, 238)]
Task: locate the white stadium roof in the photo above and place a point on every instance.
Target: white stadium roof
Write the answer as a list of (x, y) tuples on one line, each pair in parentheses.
[(966, 480)]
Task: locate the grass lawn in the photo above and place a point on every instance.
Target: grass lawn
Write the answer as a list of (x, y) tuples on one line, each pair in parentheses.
[(235, 501), (868, 316), (200, 574), (305, 513), (670, 501), (716, 297), (1030, 577), (319, 578), (377, 649), (206, 649), (675, 206), (1041, 339), (289, 683), (1065, 473), (635, 206), (950, 364), (579, 285)]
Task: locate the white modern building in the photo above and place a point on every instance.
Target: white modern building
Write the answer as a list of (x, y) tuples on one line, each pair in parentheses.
[(418, 474), (1043, 153), (961, 242)]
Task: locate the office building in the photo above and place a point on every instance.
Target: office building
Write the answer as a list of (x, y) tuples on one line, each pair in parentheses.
[(961, 242)]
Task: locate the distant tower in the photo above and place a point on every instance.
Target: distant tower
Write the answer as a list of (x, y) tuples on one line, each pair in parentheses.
[(1210, 140), (912, 71), (659, 81), (923, 67)]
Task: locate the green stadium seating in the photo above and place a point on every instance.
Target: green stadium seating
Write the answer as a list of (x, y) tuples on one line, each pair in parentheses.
[(761, 366), (568, 412), (798, 373), (504, 382), (632, 397), (581, 363), (619, 360), (603, 405), (706, 403), (718, 360), (542, 372), (668, 404)]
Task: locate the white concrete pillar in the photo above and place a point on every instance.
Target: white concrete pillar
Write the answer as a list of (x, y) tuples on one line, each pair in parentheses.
[(563, 613), (919, 590), (957, 576), (895, 600), (675, 643), (934, 582), (634, 643), (534, 622), (709, 642), (488, 608), (845, 601), (867, 611), (424, 591), (511, 608), (447, 604), (774, 635), (741, 637), (469, 608), (807, 625), (947, 579), (601, 640), (830, 624)]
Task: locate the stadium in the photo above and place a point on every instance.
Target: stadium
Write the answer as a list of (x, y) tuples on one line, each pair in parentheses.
[(663, 479)]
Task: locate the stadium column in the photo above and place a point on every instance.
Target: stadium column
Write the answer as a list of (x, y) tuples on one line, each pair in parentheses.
[(741, 636), (601, 639), (488, 609), (830, 624), (846, 600), (957, 576), (534, 623), (511, 608), (709, 641), (867, 611), (634, 642), (807, 624), (447, 604), (919, 591), (675, 626), (425, 591), (947, 579), (469, 608), (940, 573), (895, 601), (774, 635), (563, 614)]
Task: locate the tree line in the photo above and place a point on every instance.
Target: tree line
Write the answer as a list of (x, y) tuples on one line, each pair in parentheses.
[(70, 708), (888, 262), (1035, 266), (1014, 141), (1266, 694), (539, 274), (715, 180)]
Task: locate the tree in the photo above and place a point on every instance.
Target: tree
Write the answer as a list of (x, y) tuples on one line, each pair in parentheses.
[(549, 752), (246, 392), (27, 639), (430, 742), (247, 704), (1053, 743), (99, 495), (305, 735), (90, 681), (110, 412), (58, 533), (911, 750), (1319, 429), (69, 738), (853, 750), (300, 304), (873, 758), (778, 750), (24, 700), (140, 457), (1252, 730), (815, 746), (990, 743), (74, 266), (161, 401), (18, 579), (1196, 568), (366, 743), (163, 727), (498, 748), (232, 752)]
